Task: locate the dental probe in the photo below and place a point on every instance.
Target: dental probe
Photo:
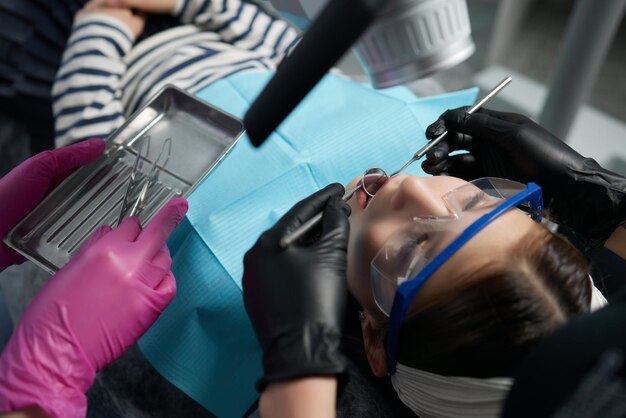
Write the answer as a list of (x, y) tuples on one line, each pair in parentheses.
[(311, 223), (422, 151)]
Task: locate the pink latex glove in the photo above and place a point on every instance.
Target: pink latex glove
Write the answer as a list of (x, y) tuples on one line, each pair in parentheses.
[(88, 314), (28, 183)]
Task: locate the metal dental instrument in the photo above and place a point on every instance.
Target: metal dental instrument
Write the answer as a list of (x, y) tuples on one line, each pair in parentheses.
[(311, 223), (152, 176), (419, 154), (133, 178), (379, 176), (150, 179)]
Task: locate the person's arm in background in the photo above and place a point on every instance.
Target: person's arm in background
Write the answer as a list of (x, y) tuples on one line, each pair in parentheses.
[(295, 298), (309, 397), (312, 397), (33, 412), (87, 93), (240, 23), (578, 192), (617, 242), (237, 22)]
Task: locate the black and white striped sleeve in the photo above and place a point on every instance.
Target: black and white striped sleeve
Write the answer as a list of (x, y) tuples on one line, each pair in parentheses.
[(240, 23), (86, 95)]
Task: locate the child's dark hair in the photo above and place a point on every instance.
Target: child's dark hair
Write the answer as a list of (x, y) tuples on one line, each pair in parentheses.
[(486, 328)]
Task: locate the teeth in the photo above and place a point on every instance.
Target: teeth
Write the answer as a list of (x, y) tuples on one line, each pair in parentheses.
[(362, 199), (359, 199), (367, 199)]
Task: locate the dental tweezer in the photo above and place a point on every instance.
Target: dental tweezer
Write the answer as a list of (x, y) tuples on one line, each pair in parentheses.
[(151, 178)]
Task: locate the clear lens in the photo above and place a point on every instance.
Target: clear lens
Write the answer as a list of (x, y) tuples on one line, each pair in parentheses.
[(402, 256), (412, 247), (373, 179), (383, 288), (480, 194)]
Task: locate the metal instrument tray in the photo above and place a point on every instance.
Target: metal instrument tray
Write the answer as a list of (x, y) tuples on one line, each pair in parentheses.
[(200, 135)]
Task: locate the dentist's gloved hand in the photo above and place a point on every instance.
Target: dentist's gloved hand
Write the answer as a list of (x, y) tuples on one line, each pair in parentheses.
[(296, 296), (27, 184), (578, 192), (88, 314)]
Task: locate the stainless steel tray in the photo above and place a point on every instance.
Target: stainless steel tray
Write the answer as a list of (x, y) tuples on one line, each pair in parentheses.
[(200, 135)]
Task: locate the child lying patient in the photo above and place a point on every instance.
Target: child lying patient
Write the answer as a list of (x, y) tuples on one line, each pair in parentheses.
[(476, 317), (104, 77)]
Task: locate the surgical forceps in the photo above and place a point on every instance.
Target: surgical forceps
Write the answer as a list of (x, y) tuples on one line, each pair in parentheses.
[(382, 176), (151, 177)]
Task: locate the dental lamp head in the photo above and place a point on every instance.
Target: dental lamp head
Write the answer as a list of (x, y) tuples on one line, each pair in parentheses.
[(396, 41), (409, 40)]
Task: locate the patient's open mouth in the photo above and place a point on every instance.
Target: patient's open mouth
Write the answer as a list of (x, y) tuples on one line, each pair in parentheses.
[(362, 198)]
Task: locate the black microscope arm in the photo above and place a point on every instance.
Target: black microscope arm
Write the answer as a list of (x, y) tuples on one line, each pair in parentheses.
[(336, 28)]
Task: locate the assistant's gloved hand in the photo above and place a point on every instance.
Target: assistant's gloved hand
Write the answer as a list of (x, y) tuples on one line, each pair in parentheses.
[(296, 296), (88, 314), (578, 192), (27, 184)]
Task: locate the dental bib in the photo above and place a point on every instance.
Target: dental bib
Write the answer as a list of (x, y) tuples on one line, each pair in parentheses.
[(203, 342)]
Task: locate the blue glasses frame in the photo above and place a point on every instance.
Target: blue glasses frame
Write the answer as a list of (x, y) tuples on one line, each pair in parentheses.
[(407, 290)]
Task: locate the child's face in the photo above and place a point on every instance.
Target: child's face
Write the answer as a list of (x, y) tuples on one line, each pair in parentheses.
[(402, 198)]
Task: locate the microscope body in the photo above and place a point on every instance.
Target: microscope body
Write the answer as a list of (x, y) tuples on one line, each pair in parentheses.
[(410, 39)]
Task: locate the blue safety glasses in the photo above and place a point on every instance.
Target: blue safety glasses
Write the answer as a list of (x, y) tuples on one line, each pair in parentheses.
[(410, 257)]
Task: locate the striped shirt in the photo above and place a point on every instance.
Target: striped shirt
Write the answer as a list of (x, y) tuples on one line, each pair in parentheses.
[(104, 77)]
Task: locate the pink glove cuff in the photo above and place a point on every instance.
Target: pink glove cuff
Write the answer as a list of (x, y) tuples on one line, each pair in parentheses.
[(30, 375), (89, 313), (26, 185)]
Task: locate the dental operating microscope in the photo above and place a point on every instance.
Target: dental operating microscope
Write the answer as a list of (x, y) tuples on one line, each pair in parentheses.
[(396, 41)]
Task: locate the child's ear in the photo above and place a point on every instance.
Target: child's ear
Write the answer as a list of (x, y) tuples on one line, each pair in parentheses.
[(374, 341)]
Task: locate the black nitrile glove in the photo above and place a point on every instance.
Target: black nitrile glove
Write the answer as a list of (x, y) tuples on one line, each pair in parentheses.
[(578, 192), (296, 297)]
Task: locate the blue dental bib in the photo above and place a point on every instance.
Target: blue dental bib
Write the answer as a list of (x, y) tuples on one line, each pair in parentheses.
[(203, 342)]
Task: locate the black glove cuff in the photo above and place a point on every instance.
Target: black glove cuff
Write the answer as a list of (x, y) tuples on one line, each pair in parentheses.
[(597, 237), (314, 350), (600, 198)]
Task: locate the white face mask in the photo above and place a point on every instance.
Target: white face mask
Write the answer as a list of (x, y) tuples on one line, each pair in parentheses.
[(431, 395)]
